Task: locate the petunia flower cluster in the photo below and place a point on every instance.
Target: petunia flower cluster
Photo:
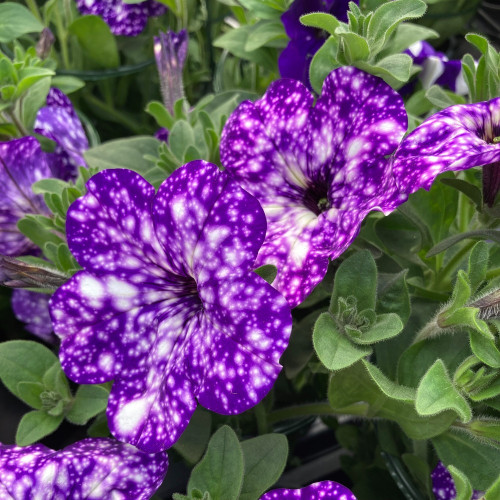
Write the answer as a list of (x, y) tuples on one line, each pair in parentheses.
[(324, 490)]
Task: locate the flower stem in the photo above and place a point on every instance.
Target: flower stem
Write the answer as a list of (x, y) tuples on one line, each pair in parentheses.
[(315, 409), (431, 329), (261, 418), (18, 123)]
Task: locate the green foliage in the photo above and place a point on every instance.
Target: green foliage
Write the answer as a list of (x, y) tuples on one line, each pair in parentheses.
[(89, 401), (267, 272), (462, 484), (16, 20), (35, 425), (372, 42), (194, 439)]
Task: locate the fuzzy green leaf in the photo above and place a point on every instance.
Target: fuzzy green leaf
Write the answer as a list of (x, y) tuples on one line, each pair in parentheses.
[(89, 401), (35, 425)]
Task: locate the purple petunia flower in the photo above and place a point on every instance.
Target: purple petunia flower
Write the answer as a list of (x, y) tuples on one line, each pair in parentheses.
[(324, 490), (167, 304), (96, 468), (316, 170), (443, 486), (456, 138), (126, 19), (295, 59), (437, 69), (32, 308), (58, 121), (22, 163), (170, 52)]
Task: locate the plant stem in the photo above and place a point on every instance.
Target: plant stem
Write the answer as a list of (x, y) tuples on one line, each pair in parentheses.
[(33, 7), (63, 38), (315, 409), (431, 329), (17, 123), (454, 261), (261, 418)]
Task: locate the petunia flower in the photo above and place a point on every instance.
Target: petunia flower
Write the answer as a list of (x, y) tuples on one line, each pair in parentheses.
[(437, 69), (58, 121), (94, 468), (22, 163), (167, 304), (295, 59), (32, 308), (456, 138), (443, 486), (127, 19), (317, 170), (324, 490), (170, 53)]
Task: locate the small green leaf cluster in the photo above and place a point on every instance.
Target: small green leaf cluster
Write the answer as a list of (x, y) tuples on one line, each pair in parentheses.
[(371, 41), (33, 373), (194, 133), (259, 34), (237, 471), (483, 78), (48, 233), (345, 333)]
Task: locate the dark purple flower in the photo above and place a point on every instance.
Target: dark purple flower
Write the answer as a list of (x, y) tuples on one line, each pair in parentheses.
[(95, 468), (456, 138), (58, 121), (167, 304), (443, 486), (32, 308), (437, 69), (316, 170), (170, 52), (22, 163), (126, 19), (304, 42), (162, 134), (324, 490)]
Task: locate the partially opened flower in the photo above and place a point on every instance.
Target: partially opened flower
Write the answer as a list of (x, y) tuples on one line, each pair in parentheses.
[(127, 19), (443, 485), (305, 41), (316, 170), (167, 304), (22, 163), (324, 490), (32, 308), (457, 138), (437, 69), (58, 121), (95, 468)]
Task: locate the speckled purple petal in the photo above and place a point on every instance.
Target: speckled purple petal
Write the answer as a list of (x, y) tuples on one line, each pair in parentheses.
[(33, 309), (317, 171), (324, 490), (159, 306), (122, 18), (94, 468), (58, 121), (456, 138), (443, 486), (22, 163)]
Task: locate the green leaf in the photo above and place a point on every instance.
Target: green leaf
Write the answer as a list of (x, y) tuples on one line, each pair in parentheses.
[(29, 76), (35, 231), (491, 391), (67, 84), (485, 349), (323, 63), (393, 296), (180, 137), (394, 69), (24, 361), (462, 484), (158, 111), (471, 191), (55, 186), (466, 452), (30, 392), (321, 20), (442, 98), (478, 264), (480, 234), (264, 32), (357, 277), (436, 393), (333, 348), (487, 428), (33, 100), (96, 40), (405, 35), (264, 9), (493, 492), (267, 272), (55, 380), (123, 153), (366, 389), (220, 471), (387, 17), (265, 459), (16, 20), (89, 401), (194, 439), (35, 425), (355, 47), (386, 326)]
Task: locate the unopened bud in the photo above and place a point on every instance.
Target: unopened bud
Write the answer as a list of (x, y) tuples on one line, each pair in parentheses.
[(45, 43), (489, 305)]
